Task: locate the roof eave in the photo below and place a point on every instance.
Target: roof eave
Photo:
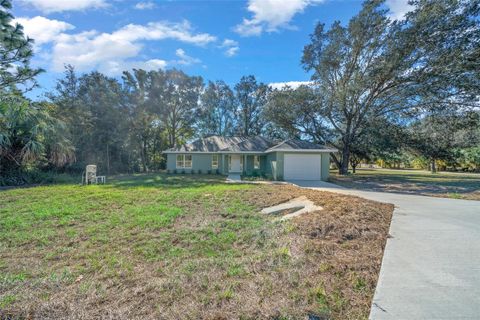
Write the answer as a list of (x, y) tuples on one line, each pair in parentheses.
[(226, 152), (302, 150)]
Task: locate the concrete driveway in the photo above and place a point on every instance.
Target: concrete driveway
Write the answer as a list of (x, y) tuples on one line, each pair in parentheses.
[(431, 264)]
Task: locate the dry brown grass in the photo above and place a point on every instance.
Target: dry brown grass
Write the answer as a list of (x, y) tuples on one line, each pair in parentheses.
[(221, 260), (456, 185)]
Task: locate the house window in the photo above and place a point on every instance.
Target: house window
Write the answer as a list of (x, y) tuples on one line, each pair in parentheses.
[(215, 161), (256, 162), (184, 161)]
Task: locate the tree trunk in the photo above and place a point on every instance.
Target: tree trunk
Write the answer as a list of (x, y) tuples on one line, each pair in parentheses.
[(433, 167), (108, 160), (335, 159), (144, 155), (343, 169), (354, 166)]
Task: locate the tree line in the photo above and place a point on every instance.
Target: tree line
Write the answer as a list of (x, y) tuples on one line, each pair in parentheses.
[(395, 91), (124, 125)]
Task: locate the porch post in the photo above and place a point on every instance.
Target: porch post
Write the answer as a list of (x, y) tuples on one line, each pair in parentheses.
[(223, 163), (245, 164)]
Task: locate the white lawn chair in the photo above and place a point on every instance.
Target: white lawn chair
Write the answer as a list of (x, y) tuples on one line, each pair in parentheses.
[(90, 176)]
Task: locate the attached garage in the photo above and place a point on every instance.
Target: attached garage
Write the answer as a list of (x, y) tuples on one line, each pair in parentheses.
[(302, 166)]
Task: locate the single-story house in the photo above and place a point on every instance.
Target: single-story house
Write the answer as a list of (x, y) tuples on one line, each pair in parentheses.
[(285, 160)]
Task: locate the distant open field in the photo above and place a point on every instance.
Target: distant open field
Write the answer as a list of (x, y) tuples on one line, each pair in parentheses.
[(442, 184), (185, 247)]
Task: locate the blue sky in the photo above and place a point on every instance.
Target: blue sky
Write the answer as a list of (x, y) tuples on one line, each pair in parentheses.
[(219, 40)]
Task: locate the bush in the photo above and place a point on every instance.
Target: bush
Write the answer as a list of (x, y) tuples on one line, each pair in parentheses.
[(217, 171), (19, 178), (174, 171), (183, 172), (209, 171), (199, 171)]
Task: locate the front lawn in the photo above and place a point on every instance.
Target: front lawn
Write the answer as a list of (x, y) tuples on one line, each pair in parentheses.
[(185, 247), (442, 184)]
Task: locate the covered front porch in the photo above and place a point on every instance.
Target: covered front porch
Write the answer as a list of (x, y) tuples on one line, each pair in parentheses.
[(245, 164)]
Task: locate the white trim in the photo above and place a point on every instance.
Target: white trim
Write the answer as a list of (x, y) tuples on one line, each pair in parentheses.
[(214, 152), (184, 161), (253, 152), (302, 150), (242, 152), (217, 161), (256, 160)]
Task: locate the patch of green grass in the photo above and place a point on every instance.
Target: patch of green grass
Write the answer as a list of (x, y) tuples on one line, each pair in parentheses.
[(236, 270), (12, 278), (226, 294), (154, 216), (319, 295), (455, 195), (359, 284), (7, 300)]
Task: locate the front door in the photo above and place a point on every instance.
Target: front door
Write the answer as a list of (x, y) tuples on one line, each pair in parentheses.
[(235, 163)]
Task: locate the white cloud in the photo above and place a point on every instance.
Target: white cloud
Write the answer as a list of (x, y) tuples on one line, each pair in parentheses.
[(49, 6), (231, 47), (109, 52), (185, 59), (91, 49), (291, 84), (232, 51), (271, 15), (163, 30), (117, 67), (398, 8), (145, 5), (229, 43), (43, 30)]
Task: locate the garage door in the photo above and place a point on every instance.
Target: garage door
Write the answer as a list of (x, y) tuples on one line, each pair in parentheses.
[(302, 167)]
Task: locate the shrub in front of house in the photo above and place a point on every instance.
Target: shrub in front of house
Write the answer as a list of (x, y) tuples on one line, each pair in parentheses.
[(183, 172), (209, 171), (174, 171)]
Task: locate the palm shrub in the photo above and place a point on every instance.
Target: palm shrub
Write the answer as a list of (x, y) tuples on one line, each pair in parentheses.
[(30, 136)]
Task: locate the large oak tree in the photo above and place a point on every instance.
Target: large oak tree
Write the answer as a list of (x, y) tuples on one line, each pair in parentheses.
[(375, 68)]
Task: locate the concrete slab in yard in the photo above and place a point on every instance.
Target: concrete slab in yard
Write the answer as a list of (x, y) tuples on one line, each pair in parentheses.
[(431, 264), (301, 205)]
